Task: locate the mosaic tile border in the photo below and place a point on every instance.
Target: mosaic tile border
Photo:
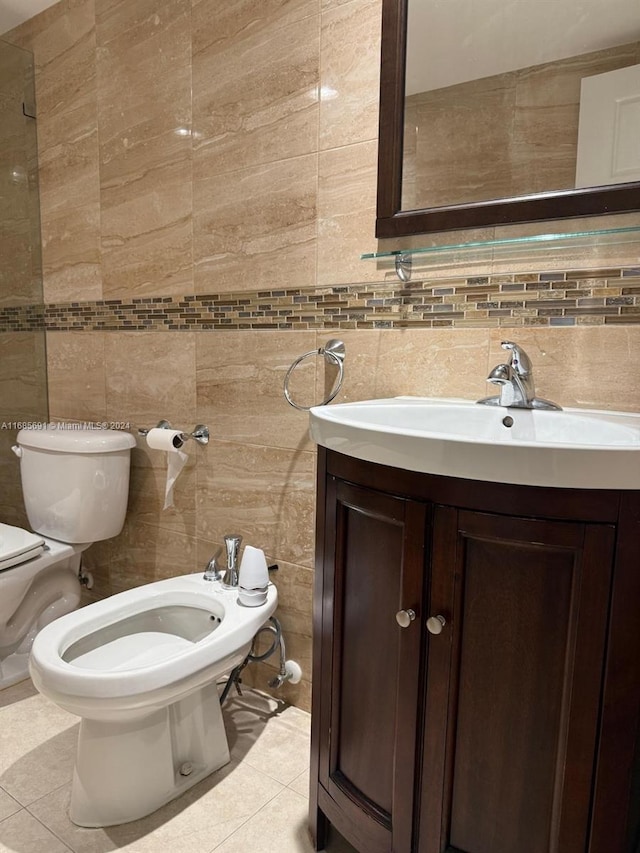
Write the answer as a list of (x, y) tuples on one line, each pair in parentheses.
[(591, 297), (22, 318)]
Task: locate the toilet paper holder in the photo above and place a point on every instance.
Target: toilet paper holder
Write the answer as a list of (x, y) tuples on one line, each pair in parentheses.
[(200, 432)]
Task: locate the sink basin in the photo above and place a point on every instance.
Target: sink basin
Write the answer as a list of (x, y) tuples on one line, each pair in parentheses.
[(573, 448)]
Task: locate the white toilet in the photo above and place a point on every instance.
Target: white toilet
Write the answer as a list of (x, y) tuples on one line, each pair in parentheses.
[(140, 669), (75, 485)]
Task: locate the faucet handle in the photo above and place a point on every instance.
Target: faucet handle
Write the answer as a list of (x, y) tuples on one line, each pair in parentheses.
[(212, 571), (518, 358)]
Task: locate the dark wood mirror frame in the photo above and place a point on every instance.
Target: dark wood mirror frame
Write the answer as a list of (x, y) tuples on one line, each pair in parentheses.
[(392, 221)]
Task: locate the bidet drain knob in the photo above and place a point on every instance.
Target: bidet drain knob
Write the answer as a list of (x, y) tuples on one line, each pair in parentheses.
[(186, 769)]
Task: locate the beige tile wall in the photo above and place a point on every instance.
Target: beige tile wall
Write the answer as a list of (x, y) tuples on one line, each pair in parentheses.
[(198, 147)]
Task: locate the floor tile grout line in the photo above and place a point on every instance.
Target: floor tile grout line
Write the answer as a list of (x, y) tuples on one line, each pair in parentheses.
[(43, 825), (13, 814), (244, 822), (48, 828)]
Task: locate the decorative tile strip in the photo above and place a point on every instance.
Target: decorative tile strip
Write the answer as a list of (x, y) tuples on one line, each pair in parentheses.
[(21, 318), (523, 299)]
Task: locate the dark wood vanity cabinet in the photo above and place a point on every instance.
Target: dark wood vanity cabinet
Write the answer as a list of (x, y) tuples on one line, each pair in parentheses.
[(511, 729)]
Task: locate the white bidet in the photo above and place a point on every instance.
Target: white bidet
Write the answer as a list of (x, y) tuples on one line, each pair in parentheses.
[(140, 669)]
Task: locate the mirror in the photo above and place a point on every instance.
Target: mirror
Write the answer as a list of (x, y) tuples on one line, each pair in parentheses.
[(495, 112)]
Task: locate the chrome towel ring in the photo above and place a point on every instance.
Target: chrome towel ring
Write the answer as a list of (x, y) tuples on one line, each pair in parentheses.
[(333, 352)]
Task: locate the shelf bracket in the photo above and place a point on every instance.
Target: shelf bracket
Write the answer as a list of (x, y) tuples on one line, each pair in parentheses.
[(403, 266)]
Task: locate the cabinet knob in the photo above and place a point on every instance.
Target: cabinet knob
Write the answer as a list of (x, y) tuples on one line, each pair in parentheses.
[(435, 624), (404, 618)]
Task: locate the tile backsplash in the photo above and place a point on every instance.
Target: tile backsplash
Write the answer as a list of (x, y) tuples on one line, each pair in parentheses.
[(584, 297)]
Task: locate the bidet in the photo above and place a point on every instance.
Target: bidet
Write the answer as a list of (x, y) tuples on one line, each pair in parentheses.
[(140, 668)]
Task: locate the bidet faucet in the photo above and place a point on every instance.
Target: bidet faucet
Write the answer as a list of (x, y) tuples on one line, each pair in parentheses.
[(515, 379), (232, 543)]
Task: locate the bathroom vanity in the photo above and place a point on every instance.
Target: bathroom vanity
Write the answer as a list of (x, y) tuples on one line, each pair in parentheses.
[(476, 661)]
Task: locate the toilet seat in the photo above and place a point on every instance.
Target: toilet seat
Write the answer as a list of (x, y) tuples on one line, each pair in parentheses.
[(18, 545)]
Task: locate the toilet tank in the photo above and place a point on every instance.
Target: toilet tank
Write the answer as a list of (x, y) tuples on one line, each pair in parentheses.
[(75, 482)]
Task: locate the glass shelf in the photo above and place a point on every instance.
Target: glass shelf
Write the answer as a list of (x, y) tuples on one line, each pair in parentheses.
[(580, 249)]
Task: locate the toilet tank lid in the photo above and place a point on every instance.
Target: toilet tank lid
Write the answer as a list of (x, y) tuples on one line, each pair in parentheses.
[(67, 438)]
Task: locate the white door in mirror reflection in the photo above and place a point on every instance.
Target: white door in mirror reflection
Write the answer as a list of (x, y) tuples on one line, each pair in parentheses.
[(609, 128)]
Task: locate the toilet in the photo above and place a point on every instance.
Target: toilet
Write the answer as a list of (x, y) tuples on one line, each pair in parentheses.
[(140, 669), (75, 485)]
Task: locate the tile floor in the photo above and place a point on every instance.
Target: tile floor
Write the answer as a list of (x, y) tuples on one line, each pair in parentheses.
[(256, 804)]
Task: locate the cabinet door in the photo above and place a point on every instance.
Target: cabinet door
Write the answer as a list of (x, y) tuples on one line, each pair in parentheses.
[(513, 684), (373, 568)]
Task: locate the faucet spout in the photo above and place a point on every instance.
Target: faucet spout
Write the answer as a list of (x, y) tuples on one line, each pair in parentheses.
[(232, 542), (515, 380)]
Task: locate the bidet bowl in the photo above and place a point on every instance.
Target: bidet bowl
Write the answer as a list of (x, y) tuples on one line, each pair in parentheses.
[(145, 648), (573, 448)]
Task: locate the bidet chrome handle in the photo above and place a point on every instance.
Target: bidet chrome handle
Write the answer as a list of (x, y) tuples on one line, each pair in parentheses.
[(212, 571)]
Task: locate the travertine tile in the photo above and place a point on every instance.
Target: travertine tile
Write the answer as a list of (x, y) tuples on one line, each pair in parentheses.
[(144, 115), (349, 78), (151, 377), (255, 228), (20, 272), (41, 758), (301, 784), (239, 383), (68, 169), (8, 805), (144, 553), (23, 393), (71, 254), (433, 363), (62, 39), (23, 832), (230, 19), (277, 745), (281, 827), (255, 84), (76, 376), (416, 362), (196, 822), (265, 494), (347, 181)]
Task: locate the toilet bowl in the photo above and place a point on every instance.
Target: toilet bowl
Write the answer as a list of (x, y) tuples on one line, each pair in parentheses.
[(140, 669), (75, 485)]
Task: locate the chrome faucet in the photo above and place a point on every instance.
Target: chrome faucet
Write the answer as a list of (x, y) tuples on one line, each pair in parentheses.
[(515, 379), (232, 543)]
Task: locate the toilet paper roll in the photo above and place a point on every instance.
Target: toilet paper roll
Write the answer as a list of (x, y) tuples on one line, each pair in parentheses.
[(171, 441), (165, 439)]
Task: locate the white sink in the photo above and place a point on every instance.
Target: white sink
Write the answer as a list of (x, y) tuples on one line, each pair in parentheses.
[(573, 448)]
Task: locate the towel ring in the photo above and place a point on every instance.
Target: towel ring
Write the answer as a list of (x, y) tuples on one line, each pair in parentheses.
[(333, 352)]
